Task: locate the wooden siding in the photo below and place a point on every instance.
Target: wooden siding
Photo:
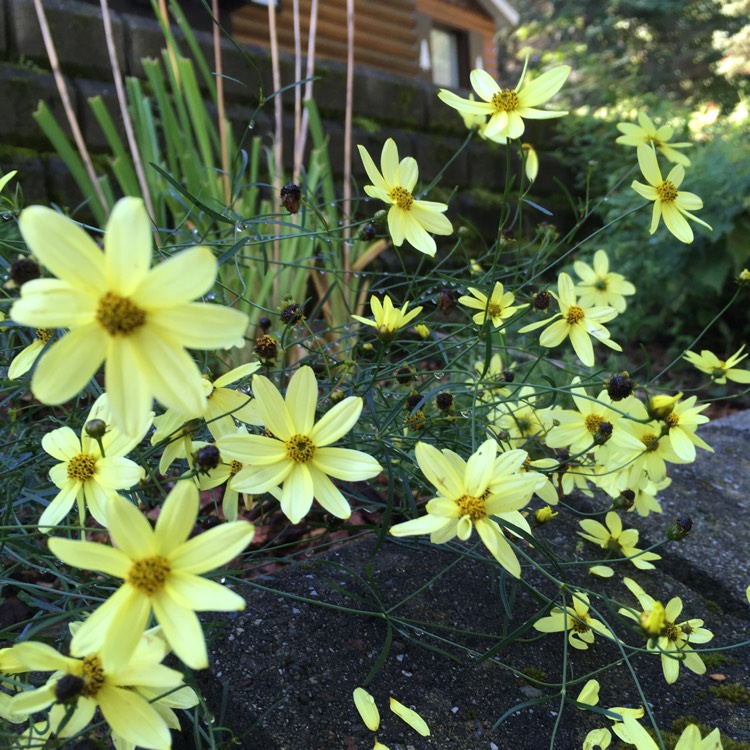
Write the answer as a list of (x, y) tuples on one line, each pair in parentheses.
[(384, 31), (468, 16)]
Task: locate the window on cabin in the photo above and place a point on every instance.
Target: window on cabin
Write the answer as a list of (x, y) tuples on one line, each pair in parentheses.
[(449, 57)]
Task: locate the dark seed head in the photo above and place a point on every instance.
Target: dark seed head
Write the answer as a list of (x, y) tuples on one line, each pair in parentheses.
[(290, 197)]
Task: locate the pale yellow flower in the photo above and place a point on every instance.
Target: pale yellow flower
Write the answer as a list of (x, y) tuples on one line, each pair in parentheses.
[(387, 319), (498, 307), (138, 320), (408, 218), (507, 107), (299, 454), (720, 370), (600, 287), (673, 640), (81, 685), (84, 472), (670, 203), (222, 407), (575, 322), (160, 569), (24, 360), (576, 620), (646, 132), (469, 494), (612, 537)]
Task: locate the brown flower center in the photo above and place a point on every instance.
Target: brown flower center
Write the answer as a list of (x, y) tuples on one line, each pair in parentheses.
[(506, 101), (401, 197), (234, 467), (43, 334), (593, 422), (93, 675), (472, 506), (651, 441), (578, 625), (494, 310), (82, 467), (118, 316), (300, 449), (667, 192), (671, 631), (575, 314), (672, 420), (149, 575)]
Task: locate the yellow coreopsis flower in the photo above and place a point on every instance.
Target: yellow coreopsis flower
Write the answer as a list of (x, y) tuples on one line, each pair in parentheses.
[(298, 454), (408, 218), (613, 538), (720, 370), (498, 307), (576, 620), (223, 405), (674, 639), (85, 473), (24, 360), (599, 286), (160, 568), (575, 322), (646, 132), (469, 494), (136, 319), (81, 685), (387, 319), (506, 108), (670, 203), (581, 431)]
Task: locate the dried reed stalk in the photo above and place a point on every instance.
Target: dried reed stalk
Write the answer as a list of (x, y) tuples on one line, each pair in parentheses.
[(114, 64), (62, 90)]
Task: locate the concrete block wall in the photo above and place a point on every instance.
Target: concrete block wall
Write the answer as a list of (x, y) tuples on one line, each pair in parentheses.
[(405, 109)]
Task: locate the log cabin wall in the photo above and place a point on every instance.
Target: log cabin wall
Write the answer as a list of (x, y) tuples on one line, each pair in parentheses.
[(385, 35)]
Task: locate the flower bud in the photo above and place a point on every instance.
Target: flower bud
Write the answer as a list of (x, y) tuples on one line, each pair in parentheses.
[(422, 330), (660, 406), (206, 459), (652, 620), (266, 347), (23, 270), (290, 197), (265, 323), (446, 300), (95, 428), (545, 514), (68, 688), (541, 300), (444, 401), (680, 529), (744, 278), (368, 232), (620, 386), (603, 434), (291, 314), (625, 500), (405, 375), (412, 400)]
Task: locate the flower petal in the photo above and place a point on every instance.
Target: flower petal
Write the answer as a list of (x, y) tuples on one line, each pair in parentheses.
[(199, 325), (177, 517), (181, 278), (91, 556), (69, 364), (64, 248), (301, 399), (183, 631), (336, 422), (212, 548), (346, 463), (128, 246), (297, 493), (201, 594), (130, 715)]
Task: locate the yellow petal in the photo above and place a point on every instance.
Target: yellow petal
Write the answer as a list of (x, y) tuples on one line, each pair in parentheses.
[(412, 718), (367, 709), (127, 246)]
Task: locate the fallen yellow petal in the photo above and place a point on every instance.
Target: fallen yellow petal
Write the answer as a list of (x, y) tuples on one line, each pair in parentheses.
[(365, 704), (412, 718)]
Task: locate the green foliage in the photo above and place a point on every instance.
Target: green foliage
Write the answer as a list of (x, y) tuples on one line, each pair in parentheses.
[(624, 48)]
